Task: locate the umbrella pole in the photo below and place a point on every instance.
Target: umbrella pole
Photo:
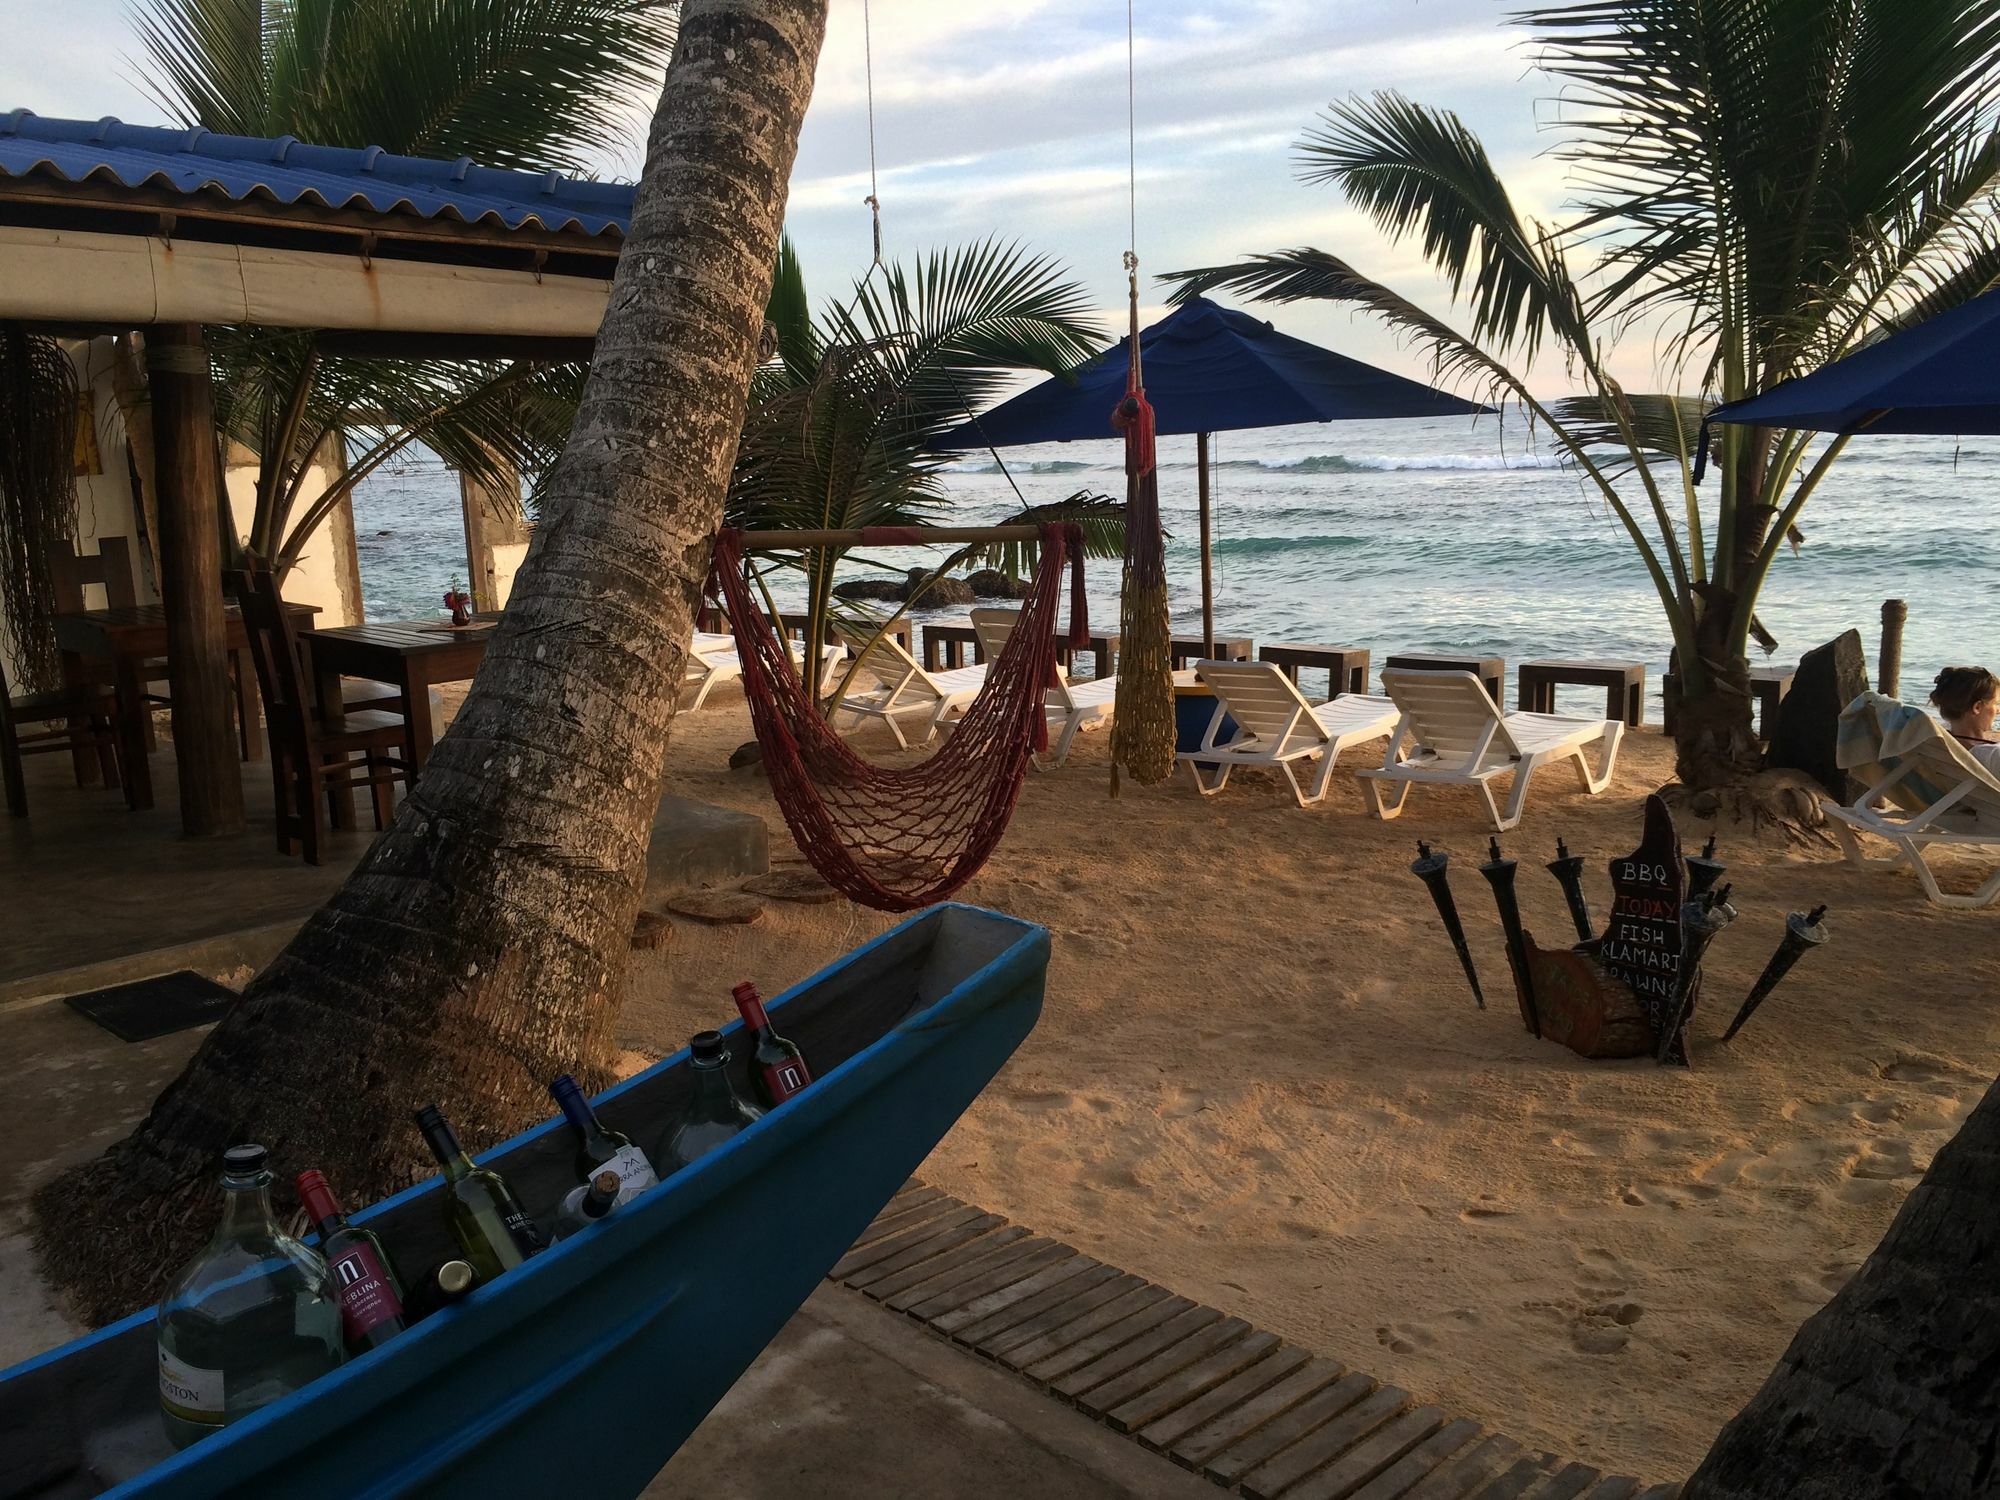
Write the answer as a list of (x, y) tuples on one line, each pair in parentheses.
[(1207, 558)]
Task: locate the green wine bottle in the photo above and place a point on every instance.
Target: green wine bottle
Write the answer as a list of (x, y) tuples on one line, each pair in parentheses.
[(493, 1231)]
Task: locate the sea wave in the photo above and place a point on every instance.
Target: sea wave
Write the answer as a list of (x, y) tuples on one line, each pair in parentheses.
[(1043, 466), (1274, 546)]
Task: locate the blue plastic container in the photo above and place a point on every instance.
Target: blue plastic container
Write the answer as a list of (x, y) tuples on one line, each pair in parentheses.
[(1193, 708), (581, 1373)]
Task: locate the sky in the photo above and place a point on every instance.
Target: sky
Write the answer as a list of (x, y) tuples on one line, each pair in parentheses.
[(1007, 118)]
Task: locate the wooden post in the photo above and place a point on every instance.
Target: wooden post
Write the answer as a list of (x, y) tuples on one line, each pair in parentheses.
[(1889, 670), (1207, 561), (187, 481), (494, 521)]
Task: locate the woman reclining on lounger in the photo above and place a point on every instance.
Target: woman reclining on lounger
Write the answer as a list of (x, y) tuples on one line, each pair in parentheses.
[(1967, 698)]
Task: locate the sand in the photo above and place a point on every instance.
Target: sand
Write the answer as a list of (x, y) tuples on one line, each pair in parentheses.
[(1259, 1079)]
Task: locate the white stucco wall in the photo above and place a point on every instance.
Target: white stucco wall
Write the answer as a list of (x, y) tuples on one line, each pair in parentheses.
[(328, 575)]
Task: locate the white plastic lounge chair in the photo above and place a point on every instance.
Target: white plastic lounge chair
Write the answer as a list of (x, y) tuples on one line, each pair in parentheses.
[(1276, 726), (712, 659), (1071, 706), (1923, 790), (1452, 733), (903, 689)]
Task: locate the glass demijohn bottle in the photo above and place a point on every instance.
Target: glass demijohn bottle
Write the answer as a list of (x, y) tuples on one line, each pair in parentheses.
[(716, 1112), (251, 1320)]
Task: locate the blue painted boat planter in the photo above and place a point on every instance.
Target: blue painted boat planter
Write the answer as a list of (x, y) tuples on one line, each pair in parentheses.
[(582, 1372)]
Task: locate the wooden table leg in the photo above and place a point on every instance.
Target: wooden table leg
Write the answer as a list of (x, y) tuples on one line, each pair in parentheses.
[(79, 744), (332, 711), (133, 713), (249, 706), (419, 732)]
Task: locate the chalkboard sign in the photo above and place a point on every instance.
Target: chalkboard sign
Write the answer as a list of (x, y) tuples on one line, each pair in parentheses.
[(1642, 941)]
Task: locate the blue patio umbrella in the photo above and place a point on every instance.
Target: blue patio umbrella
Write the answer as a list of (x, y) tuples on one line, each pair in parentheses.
[(1940, 376), (1207, 369)]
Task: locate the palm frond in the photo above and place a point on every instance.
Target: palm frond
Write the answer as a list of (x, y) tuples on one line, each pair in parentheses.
[(1420, 171), (1101, 519)]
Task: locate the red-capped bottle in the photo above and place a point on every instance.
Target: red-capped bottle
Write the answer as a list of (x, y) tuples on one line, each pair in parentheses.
[(777, 1068), (371, 1301)]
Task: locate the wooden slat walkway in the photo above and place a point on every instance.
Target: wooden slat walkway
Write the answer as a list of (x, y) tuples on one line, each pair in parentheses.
[(1256, 1415)]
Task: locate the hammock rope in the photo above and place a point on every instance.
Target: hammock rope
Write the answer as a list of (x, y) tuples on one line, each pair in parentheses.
[(901, 838), (1142, 724)]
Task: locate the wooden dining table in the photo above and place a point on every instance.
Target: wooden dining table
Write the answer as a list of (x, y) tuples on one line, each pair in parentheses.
[(413, 656), (129, 637)]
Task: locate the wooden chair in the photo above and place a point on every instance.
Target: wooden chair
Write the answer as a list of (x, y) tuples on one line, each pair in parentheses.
[(71, 572), (312, 761), (28, 726)]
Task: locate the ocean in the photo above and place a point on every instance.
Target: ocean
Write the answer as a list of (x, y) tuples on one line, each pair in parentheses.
[(1440, 535)]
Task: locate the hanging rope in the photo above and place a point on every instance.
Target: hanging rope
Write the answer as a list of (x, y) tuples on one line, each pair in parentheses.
[(898, 839), (1142, 727), (874, 198)]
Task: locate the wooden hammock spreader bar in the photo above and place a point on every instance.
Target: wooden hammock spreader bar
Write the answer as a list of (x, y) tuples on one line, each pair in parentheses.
[(887, 536)]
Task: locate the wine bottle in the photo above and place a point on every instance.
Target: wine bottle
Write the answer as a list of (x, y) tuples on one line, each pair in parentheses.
[(371, 1299), (440, 1286), (586, 1205), (716, 1112), (493, 1231), (777, 1068), (599, 1149), (251, 1319)]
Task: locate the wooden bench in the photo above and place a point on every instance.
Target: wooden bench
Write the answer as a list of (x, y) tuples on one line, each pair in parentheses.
[(1768, 687), (1190, 648), (1490, 670), (1346, 667), (1624, 684)]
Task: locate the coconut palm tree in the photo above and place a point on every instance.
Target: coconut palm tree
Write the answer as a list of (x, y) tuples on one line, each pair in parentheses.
[(1759, 186), (843, 412), (533, 84), (479, 948)]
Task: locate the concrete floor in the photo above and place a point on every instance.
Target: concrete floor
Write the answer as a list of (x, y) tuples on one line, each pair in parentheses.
[(850, 1400), (83, 879)]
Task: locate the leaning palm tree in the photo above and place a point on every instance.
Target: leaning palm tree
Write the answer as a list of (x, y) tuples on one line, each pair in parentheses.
[(1760, 187), (843, 413), (535, 84)]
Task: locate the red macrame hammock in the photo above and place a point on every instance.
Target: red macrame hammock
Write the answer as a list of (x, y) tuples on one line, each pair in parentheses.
[(898, 839)]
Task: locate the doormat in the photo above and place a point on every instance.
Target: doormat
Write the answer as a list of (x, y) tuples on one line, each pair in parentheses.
[(159, 1006)]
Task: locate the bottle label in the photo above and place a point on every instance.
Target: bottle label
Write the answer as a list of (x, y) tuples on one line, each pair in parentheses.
[(189, 1392), (526, 1236), (785, 1079), (635, 1173), (367, 1297)]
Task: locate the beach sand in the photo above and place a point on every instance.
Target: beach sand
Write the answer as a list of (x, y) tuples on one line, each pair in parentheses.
[(1259, 1079)]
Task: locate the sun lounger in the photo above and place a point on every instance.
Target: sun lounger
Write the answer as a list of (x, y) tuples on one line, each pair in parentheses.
[(712, 660), (1071, 706), (1452, 733), (1276, 726), (1922, 791), (903, 689)]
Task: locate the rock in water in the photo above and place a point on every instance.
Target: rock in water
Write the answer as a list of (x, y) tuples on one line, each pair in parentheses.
[(991, 583), (880, 589), (940, 595), (1828, 679)]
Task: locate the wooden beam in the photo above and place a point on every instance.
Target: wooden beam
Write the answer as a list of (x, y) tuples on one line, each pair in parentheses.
[(189, 483)]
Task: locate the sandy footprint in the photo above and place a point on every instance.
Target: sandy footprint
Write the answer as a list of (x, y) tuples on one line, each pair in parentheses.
[(1404, 1338)]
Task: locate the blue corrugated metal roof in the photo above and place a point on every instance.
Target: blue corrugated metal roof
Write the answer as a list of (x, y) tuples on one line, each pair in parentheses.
[(286, 170)]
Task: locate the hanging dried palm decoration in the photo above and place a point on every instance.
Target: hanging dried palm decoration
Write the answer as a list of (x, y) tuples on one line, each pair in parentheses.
[(38, 417)]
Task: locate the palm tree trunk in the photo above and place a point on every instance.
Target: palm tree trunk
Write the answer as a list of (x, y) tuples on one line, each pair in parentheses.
[(479, 947), (1890, 1390)]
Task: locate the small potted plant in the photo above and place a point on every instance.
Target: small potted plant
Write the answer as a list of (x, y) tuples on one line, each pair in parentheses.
[(459, 602)]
